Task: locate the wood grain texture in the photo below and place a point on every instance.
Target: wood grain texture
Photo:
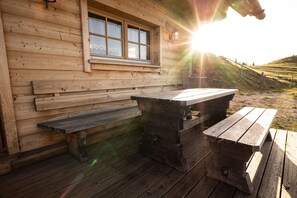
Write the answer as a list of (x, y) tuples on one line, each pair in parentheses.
[(271, 182), (257, 166), (7, 113), (91, 120), (240, 128), (59, 102), (85, 34), (117, 170), (215, 131), (186, 97), (247, 128), (46, 44), (30, 9), (289, 186), (23, 25), (44, 87), (259, 130)]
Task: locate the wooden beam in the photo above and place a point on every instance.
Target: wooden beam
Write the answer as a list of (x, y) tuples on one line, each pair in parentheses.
[(9, 122), (85, 35)]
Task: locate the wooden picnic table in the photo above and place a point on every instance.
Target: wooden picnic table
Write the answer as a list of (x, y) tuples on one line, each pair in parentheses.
[(171, 121)]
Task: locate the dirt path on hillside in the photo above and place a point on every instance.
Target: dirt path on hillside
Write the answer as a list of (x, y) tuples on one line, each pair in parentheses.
[(285, 102)]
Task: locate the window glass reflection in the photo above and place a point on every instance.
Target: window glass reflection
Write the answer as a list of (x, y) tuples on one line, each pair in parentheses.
[(133, 50), (144, 37), (114, 47), (97, 45), (114, 29), (97, 25), (144, 52), (133, 34)]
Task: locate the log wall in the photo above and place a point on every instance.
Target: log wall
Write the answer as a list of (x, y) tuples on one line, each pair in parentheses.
[(46, 44)]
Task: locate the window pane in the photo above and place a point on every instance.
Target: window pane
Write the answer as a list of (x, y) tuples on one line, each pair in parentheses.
[(97, 45), (144, 37), (114, 29), (97, 25), (133, 50), (114, 47), (144, 52), (133, 34)]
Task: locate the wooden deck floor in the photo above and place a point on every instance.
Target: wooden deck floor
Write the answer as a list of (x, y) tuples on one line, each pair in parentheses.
[(118, 170)]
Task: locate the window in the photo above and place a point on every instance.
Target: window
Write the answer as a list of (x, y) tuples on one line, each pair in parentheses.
[(118, 38), (105, 36), (138, 43)]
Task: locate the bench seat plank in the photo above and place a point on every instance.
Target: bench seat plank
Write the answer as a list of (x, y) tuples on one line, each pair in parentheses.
[(75, 128), (258, 132), (79, 123), (215, 131), (240, 128)]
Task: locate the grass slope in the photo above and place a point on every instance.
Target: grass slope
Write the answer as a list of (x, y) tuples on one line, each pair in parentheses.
[(219, 73), (222, 74), (284, 70)]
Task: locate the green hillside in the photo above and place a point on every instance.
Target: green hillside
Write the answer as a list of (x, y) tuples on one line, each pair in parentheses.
[(225, 74), (219, 72), (285, 70)]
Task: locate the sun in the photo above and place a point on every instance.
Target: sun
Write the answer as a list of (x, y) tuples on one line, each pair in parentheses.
[(207, 38)]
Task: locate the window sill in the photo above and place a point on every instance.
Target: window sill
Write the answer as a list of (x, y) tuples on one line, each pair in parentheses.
[(118, 65), (123, 62)]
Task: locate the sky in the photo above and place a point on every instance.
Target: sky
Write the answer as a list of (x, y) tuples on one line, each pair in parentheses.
[(250, 40)]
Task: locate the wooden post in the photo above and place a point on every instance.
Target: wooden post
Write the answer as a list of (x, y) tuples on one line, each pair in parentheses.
[(85, 35), (9, 121), (1, 129)]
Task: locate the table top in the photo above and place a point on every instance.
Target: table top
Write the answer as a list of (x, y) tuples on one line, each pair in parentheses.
[(185, 97)]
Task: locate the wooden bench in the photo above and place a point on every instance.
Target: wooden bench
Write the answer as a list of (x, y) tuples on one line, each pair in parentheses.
[(234, 140), (64, 98), (75, 128)]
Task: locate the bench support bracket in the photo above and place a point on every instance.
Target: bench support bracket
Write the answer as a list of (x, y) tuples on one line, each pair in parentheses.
[(77, 145), (229, 165)]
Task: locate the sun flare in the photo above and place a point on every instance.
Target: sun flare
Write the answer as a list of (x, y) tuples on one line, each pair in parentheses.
[(208, 38), (201, 39)]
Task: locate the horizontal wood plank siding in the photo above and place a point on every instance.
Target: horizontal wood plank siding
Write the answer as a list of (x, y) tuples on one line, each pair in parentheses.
[(45, 45)]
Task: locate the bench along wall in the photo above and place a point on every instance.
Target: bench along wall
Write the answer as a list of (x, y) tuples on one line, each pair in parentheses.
[(47, 45)]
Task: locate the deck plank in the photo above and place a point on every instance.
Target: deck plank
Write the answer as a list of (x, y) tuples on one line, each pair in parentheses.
[(223, 190), (30, 174), (271, 182), (167, 182), (145, 182), (126, 178), (185, 185), (204, 187), (71, 170), (289, 187), (130, 174), (63, 188)]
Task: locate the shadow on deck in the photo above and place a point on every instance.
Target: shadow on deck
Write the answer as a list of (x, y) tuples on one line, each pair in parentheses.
[(117, 169)]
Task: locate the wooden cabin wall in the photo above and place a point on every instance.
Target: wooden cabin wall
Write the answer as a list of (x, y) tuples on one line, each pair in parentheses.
[(46, 44)]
